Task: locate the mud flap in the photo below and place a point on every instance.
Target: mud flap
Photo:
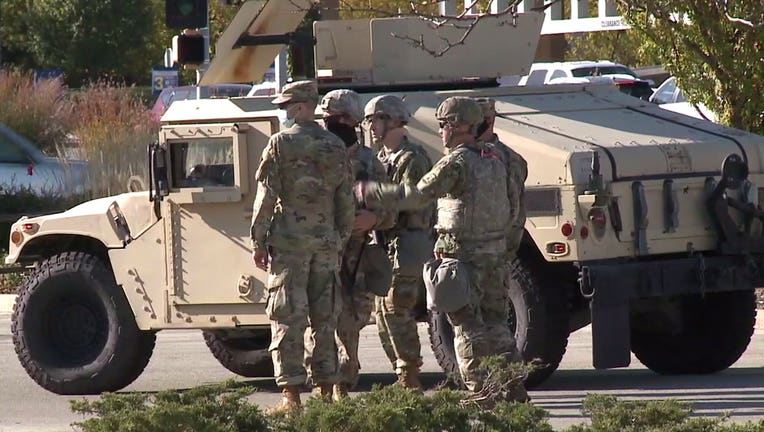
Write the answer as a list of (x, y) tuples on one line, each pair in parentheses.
[(609, 309), (611, 344)]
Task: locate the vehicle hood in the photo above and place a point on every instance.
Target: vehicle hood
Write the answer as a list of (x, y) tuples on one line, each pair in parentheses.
[(94, 219)]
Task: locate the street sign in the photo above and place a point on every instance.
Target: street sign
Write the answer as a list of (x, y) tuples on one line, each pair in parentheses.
[(162, 78)]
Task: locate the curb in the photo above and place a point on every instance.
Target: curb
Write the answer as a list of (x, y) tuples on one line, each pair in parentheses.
[(7, 300), (6, 303)]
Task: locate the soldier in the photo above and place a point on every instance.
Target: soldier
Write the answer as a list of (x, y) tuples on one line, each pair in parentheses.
[(470, 184), (302, 217), (518, 173), (409, 242), (342, 113)]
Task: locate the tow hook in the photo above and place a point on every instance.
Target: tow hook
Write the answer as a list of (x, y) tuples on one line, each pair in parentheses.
[(585, 283)]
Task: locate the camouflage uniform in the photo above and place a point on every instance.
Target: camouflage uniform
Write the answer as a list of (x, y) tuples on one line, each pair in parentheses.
[(518, 173), (470, 185), (396, 317), (303, 213), (356, 299)]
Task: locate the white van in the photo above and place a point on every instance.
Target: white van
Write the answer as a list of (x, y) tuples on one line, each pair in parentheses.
[(543, 73)]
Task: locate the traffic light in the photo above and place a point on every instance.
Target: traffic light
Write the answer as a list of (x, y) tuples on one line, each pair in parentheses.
[(188, 49), (186, 13)]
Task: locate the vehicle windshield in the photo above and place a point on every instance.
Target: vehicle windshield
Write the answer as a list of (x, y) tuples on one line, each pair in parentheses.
[(603, 70)]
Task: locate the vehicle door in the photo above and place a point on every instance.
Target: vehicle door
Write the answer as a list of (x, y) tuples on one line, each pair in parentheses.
[(208, 210)]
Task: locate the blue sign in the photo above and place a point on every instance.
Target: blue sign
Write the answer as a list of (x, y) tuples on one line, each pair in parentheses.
[(162, 78)]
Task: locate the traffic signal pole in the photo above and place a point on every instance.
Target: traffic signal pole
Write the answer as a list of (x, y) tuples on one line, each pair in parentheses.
[(203, 67)]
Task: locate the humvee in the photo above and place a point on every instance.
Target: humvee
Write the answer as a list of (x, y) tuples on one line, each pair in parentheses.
[(644, 223)]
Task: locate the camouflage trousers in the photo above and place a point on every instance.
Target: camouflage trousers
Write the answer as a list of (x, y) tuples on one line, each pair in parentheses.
[(396, 323), (357, 304), (480, 328), (303, 289)]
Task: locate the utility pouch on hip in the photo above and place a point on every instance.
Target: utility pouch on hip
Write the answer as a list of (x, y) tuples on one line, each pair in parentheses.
[(447, 283), (377, 269), (413, 249)]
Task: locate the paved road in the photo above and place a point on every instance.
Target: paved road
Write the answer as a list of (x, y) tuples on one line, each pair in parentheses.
[(181, 360)]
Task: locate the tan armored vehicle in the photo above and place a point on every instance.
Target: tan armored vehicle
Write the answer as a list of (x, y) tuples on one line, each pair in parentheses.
[(634, 224)]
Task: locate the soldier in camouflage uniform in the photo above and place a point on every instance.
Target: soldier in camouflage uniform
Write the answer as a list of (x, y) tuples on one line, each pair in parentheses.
[(518, 173), (408, 242), (302, 217), (342, 113), (470, 185)]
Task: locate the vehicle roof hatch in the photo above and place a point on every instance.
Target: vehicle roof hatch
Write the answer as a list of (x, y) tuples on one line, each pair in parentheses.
[(235, 62)]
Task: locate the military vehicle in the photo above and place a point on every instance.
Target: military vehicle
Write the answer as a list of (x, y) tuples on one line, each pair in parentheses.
[(644, 223)]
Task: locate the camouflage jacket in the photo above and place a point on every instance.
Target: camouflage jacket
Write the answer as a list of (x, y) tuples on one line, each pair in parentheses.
[(406, 166), (366, 167), (304, 191), (462, 192)]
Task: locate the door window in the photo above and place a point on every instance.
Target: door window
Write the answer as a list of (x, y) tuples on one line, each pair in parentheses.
[(202, 162)]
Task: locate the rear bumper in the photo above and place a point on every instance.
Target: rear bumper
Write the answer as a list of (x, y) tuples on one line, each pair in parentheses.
[(610, 286)]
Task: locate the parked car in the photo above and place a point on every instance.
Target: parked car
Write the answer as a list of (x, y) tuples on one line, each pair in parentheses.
[(626, 84), (171, 94), (670, 97), (543, 73), (24, 166)]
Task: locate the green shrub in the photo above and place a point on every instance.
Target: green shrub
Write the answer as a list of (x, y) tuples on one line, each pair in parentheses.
[(218, 408), (10, 281), (609, 414)]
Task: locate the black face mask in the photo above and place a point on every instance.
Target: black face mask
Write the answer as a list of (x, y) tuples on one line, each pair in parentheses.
[(346, 133), (482, 127)]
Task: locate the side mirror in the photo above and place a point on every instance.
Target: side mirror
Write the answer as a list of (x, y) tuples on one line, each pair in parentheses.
[(158, 181), (734, 171)]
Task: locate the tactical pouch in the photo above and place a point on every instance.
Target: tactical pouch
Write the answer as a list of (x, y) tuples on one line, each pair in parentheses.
[(412, 249), (447, 284), (377, 269)]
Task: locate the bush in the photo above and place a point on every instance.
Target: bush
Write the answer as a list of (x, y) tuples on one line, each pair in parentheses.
[(393, 408), (609, 414), (107, 123)]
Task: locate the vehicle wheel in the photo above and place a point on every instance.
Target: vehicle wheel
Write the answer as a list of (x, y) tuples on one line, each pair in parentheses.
[(538, 315), (713, 332), (143, 351), (243, 352), (73, 329)]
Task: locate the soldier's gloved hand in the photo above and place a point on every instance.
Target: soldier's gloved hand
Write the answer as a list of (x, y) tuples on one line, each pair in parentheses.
[(364, 221), (261, 258)]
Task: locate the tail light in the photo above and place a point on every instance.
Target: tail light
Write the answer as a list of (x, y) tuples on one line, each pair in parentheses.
[(566, 229)]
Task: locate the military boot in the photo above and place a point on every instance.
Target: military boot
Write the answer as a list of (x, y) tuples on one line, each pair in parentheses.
[(340, 392), (290, 400), (409, 378)]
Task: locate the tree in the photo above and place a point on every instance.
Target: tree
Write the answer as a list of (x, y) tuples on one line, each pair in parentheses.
[(624, 46), (91, 40), (714, 48)]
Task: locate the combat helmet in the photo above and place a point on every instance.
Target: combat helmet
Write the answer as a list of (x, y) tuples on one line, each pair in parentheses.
[(460, 110), (488, 105), (342, 101), (390, 105)]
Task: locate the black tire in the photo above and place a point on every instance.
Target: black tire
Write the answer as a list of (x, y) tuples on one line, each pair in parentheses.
[(245, 353), (73, 329), (715, 330), (538, 315)]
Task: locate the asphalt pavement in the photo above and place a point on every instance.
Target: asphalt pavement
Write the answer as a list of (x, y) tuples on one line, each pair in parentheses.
[(181, 360)]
